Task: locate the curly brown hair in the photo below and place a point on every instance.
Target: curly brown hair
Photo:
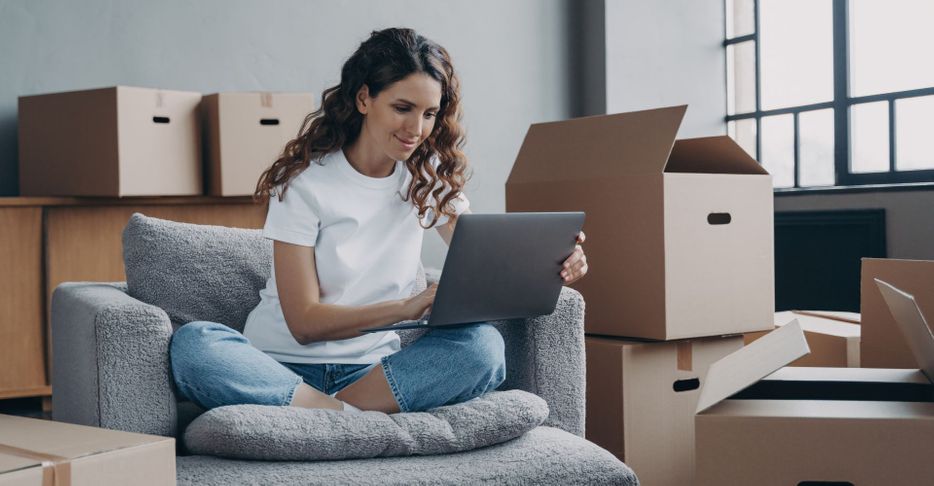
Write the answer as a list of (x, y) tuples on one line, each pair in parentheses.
[(386, 57)]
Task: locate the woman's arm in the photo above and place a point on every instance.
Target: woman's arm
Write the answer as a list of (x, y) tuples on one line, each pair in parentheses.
[(309, 320), (446, 230)]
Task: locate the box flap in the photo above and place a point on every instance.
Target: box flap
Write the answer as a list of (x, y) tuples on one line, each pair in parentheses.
[(913, 325), (597, 147), (757, 360), (848, 317), (711, 155), (820, 325)]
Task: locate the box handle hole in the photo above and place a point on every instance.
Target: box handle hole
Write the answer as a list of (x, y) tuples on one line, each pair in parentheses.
[(719, 218), (160, 119), (825, 483), (269, 121), (686, 385)]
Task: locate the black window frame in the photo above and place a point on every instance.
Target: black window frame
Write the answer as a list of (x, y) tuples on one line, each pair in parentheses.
[(840, 104)]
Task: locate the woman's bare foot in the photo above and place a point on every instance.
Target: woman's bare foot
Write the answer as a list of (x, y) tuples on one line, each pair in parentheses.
[(307, 397)]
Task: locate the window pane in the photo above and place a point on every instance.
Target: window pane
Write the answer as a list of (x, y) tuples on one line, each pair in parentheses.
[(741, 77), (890, 46), (815, 138), (744, 133), (796, 52), (778, 155), (740, 18), (914, 133), (869, 137)]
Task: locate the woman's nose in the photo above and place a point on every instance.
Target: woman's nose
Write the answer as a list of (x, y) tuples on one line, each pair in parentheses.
[(413, 127)]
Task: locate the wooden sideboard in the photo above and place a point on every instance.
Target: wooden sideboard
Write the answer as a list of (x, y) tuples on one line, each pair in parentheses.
[(46, 241)]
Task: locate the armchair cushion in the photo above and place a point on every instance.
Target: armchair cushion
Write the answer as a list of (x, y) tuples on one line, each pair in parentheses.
[(195, 272), (294, 434)]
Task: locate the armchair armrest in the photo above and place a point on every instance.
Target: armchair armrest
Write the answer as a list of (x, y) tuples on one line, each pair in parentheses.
[(110, 365), (545, 356)]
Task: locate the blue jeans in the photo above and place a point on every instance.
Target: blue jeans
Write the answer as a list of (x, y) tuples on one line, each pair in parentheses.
[(214, 365)]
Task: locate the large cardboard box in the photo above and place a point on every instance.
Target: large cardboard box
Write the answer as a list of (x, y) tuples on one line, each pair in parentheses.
[(244, 133), (641, 399), (817, 425), (882, 345), (42, 453), (832, 336), (118, 141), (679, 232)]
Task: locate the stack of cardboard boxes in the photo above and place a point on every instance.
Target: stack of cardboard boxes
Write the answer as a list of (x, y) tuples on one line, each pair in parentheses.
[(679, 246), (126, 141)]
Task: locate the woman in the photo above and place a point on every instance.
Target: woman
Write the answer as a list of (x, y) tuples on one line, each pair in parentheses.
[(349, 201)]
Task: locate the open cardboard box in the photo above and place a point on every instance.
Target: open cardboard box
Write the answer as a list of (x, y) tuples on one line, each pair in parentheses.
[(244, 133), (756, 425), (679, 232), (882, 345), (37, 452), (833, 337), (641, 398)]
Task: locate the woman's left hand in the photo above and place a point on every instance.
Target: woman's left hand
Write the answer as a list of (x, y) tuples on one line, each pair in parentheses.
[(575, 266)]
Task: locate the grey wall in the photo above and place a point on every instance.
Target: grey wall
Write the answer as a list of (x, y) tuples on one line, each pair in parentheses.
[(513, 59), (668, 53)]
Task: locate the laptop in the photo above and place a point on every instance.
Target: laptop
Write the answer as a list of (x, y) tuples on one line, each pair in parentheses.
[(501, 266)]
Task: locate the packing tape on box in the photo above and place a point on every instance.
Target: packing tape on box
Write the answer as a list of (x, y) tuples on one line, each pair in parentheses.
[(685, 356), (56, 470)]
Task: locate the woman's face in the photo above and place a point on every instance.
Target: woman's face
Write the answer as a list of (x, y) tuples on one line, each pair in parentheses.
[(402, 116)]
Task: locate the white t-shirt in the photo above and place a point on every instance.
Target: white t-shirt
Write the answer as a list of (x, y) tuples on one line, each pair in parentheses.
[(367, 244)]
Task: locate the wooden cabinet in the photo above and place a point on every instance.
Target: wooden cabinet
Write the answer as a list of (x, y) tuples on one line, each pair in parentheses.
[(22, 338), (47, 241)]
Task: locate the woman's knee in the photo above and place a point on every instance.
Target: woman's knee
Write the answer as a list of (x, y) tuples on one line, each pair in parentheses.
[(486, 351), (191, 343)]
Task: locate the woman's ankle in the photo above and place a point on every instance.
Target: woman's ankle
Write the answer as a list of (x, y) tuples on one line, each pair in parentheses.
[(307, 397)]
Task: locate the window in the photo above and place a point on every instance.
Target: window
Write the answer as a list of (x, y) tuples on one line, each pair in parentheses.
[(832, 92)]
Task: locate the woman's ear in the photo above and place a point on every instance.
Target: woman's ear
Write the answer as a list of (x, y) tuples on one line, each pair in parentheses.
[(363, 99)]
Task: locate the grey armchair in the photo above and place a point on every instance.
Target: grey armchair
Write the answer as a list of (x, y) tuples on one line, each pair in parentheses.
[(111, 369)]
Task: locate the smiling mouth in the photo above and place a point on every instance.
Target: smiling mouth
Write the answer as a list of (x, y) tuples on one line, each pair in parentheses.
[(407, 143)]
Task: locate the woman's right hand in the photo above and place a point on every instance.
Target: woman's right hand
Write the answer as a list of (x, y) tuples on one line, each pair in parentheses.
[(415, 307)]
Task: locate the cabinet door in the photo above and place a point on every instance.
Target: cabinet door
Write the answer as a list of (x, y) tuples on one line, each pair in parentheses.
[(22, 337)]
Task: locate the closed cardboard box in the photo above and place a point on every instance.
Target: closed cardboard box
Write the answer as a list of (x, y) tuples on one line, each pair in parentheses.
[(41, 452), (679, 233), (833, 337), (882, 345), (855, 426), (119, 141), (245, 133), (641, 399)]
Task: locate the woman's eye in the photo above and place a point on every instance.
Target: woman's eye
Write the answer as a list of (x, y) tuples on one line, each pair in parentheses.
[(430, 115), (402, 109)]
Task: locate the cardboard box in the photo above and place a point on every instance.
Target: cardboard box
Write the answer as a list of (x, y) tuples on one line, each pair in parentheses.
[(832, 336), (679, 233), (824, 425), (883, 346), (118, 141), (42, 452), (641, 399), (244, 133)]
